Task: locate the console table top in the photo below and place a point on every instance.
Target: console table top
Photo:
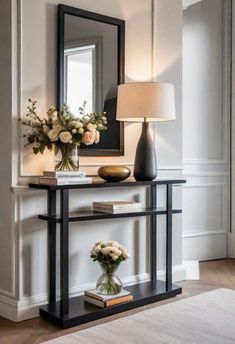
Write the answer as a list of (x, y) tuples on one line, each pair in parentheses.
[(98, 183)]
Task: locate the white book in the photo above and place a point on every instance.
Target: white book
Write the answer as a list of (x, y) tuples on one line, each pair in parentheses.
[(93, 293), (117, 205), (64, 181), (64, 174), (117, 211)]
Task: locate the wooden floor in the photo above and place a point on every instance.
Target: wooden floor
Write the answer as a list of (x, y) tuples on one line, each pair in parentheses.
[(213, 274)]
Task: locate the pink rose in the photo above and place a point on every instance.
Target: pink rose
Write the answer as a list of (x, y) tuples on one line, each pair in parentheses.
[(88, 137), (97, 136), (91, 127)]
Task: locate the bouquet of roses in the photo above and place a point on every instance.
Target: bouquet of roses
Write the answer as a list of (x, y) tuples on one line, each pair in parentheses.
[(109, 253), (61, 131)]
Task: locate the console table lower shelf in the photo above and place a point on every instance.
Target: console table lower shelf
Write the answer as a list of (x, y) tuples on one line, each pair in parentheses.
[(81, 312)]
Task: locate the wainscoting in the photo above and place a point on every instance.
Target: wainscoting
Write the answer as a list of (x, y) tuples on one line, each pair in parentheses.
[(206, 134)]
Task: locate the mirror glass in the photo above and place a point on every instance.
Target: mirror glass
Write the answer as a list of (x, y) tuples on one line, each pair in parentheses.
[(91, 57)]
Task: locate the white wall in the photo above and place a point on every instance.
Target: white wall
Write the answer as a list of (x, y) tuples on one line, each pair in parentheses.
[(206, 122), (146, 55)]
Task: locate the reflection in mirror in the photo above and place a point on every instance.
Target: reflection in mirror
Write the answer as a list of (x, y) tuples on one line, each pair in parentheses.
[(79, 81), (91, 57)]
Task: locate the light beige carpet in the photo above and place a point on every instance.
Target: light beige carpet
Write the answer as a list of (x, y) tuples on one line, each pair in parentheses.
[(207, 318)]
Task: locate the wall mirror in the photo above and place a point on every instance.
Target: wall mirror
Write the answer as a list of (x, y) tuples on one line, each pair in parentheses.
[(90, 67)]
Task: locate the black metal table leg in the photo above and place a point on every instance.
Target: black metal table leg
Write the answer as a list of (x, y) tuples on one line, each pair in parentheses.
[(169, 237), (64, 251), (51, 229), (153, 238)]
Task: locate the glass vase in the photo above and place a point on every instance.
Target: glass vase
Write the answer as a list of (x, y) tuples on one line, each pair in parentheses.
[(66, 158), (108, 283)]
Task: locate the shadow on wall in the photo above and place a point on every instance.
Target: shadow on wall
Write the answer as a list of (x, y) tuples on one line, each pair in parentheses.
[(27, 270)]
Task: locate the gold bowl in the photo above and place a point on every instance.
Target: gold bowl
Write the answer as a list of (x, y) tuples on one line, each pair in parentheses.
[(114, 173)]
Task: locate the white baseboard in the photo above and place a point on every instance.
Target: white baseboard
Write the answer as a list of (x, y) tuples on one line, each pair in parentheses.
[(231, 245), (192, 269), (28, 307)]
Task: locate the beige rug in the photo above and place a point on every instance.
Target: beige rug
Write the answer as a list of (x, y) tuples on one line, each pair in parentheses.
[(207, 318)]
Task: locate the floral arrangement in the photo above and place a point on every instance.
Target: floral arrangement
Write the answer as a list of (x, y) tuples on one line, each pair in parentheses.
[(62, 132), (111, 252), (109, 255)]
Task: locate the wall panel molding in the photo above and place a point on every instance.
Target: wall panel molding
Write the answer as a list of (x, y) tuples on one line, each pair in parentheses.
[(226, 92), (224, 223)]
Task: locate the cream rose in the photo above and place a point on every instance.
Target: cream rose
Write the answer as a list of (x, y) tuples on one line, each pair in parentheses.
[(97, 137), (96, 249), (88, 138), (65, 136), (125, 254), (116, 251), (113, 243), (53, 135), (114, 257), (81, 130), (91, 127), (105, 250)]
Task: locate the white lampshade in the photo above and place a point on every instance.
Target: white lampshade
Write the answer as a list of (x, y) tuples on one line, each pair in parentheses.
[(152, 101)]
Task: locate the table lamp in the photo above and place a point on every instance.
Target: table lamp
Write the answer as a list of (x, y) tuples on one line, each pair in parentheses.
[(145, 102)]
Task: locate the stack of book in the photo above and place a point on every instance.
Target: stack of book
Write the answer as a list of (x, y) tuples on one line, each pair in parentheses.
[(117, 207), (64, 178), (104, 301)]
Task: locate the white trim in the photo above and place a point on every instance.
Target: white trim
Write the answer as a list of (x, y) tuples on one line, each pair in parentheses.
[(203, 185), (205, 161), (202, 232), (206, 174), (28, 307), (231, 245)]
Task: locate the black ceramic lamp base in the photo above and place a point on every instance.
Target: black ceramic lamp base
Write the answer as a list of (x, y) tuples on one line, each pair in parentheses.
[(145, 167)]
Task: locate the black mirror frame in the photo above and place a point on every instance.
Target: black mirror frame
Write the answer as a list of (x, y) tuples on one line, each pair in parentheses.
[(62, 10)]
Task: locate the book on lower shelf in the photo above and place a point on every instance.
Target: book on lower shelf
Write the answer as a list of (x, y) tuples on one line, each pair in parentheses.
[(64, 180), (113, 207), (103, 301)]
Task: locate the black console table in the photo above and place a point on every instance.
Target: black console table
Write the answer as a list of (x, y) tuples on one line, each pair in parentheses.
[(69, 312)]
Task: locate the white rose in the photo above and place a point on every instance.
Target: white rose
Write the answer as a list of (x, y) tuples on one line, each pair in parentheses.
[(105, 250), (74, 131), (91, 127), (125, 254), (88, 138), (113, 243), (53, 135), (97, 137), (65, 136), (116, 251), (96, 249), (79, 124), (81, 130), (114, 257), (99, 243)]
